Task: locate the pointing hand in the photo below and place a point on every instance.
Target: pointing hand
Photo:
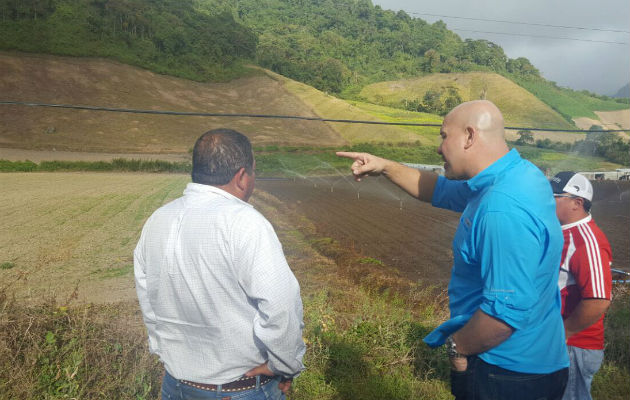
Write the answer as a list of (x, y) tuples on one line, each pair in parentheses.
[(364, 164)]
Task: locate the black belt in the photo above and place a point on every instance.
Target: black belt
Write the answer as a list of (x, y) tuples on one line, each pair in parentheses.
[(244, 383)]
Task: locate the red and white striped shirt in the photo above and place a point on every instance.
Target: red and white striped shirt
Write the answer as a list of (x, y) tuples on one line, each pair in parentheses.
[(585, 274)]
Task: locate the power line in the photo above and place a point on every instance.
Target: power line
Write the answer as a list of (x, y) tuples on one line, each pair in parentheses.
[(538, 36), (524, 23), (270, 116)]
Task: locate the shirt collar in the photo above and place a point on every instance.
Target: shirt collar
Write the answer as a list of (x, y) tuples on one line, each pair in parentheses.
[(196, 189), (486, 177), (582, 221)]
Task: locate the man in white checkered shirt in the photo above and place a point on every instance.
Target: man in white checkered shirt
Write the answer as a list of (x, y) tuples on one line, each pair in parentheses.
[(222, 308)]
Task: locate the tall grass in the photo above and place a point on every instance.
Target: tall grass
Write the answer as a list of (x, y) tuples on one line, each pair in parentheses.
[(361, 345), (612, 382), (52, 350)]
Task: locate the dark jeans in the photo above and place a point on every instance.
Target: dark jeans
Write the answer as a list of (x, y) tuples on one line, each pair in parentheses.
[(483, 381)]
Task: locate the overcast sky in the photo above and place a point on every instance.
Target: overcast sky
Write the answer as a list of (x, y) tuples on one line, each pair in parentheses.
[(599, 67)]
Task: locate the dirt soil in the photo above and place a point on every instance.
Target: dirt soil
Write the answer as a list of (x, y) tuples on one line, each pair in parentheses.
[(619, 118), (607, 120), (368, 218), (379, 221), (98, 82)]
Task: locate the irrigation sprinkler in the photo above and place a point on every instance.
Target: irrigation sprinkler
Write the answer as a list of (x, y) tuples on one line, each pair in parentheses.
[(342, 178)]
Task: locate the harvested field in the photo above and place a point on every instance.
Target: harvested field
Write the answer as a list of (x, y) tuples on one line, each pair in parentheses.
[(63, 231)]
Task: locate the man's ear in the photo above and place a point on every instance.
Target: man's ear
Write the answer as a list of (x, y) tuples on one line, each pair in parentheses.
[(239, 179), (471, 136)]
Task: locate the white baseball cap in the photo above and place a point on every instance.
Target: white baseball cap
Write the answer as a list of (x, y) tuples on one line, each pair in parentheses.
[(572, 183)]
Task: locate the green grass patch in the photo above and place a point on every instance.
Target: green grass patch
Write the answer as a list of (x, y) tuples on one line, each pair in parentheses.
[(7, 265), (556, 161), (18, 166), (390, 114), (370, 260), (375, 352), (570, 103)]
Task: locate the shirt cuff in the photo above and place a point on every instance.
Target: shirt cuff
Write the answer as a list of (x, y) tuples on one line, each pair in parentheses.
[(438, 336), (509, 309)]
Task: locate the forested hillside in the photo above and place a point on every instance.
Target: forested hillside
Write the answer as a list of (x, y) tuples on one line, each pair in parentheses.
[(334, 45), (337, 46), (167, 36)]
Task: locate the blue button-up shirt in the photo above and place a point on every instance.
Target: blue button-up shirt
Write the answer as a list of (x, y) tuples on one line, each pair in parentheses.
[(506, 252)]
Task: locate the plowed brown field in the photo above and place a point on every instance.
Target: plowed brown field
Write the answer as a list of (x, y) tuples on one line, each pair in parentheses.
[(380, 221)]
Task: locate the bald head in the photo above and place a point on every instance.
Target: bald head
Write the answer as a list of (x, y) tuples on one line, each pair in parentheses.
[(482, 115), (473, 137)]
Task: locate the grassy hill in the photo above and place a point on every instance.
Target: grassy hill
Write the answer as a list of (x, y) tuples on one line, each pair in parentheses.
[(331, 107), (570, 103), (519, 107)]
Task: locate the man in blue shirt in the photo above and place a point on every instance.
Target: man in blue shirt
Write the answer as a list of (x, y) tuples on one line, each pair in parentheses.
[(505, 337)]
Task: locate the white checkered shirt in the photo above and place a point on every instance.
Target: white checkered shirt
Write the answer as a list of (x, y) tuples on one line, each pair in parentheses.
[(216, 293)]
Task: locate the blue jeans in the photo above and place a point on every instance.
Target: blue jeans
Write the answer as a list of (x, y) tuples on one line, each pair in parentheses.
[(173, 389), (584, 364), (483, 381)]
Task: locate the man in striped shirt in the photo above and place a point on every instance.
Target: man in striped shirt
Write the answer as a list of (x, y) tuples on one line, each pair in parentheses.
[(585, 281)]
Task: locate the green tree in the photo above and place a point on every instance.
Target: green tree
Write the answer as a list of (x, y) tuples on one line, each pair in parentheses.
[(525, 138)]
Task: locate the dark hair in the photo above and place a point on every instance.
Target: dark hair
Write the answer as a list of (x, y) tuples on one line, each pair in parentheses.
[(219, 154), (586, 204)]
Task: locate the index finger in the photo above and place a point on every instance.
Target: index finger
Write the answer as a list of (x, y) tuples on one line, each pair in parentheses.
[(349, 154)]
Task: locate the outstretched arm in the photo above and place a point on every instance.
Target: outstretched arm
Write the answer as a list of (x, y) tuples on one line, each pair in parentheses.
[(418, 184)]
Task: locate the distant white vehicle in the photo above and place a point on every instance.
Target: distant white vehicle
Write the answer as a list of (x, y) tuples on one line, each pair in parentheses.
[(622, 174), (438, 169)]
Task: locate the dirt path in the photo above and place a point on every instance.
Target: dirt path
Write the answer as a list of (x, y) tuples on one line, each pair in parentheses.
[(38, 156)]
